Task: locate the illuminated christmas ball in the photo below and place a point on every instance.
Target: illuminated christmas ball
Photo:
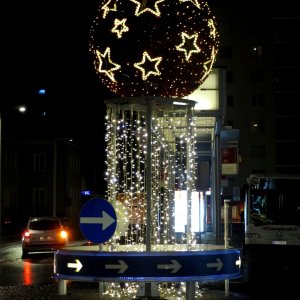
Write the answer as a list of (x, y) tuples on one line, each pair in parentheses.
[(153, 47)]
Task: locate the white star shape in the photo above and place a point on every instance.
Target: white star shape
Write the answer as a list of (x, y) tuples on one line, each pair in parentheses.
[(105, 62), (147, 73), (184, 45), (120, 27), (110, 5), (141, 7)]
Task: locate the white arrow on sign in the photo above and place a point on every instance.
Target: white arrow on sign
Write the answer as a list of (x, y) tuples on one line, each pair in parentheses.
[(106, 220), (76, 265), (239, 262), (175, 266), (122, 266), (217, 264)]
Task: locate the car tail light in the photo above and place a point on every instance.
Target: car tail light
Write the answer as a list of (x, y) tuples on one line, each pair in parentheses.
[(26, 234), (63, 234)]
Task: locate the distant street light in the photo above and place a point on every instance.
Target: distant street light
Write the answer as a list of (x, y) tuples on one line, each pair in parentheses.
[(21, 109)]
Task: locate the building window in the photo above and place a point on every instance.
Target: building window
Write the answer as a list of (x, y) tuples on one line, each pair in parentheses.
[(9, 202), (258, 151), (229, 76), (287, 103), (39, 162), (10, 160), (229, 123), (258, 100), (256, 76), (258, 171), (287, 79), (256, 26), (229, 101), (258, 125), (39, 201), (256, 51)]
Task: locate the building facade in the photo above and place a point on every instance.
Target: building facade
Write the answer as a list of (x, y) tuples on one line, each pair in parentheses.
[(40, 178), (258, 49)]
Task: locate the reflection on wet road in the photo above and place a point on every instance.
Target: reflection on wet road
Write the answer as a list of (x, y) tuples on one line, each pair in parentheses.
[(37, 268)]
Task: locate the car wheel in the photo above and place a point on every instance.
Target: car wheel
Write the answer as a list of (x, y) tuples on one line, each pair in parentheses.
[(24, 253)]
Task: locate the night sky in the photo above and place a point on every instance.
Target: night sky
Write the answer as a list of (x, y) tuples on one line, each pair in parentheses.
[(45, 45)]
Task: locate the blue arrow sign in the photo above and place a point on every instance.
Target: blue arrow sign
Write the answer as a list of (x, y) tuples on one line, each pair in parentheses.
[(148, 266), (98, 220)]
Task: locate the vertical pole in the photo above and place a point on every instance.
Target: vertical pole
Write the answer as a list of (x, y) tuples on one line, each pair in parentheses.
[(189, 179), (112, 188), (0, 174), (218, 183), (54, 177), (101, 288), (62, 287), (148, 184), (149, 173), (190, 291), (226, 238), (226, 223)]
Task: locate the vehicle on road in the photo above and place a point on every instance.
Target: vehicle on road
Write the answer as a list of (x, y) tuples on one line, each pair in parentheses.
[(43, 234), (272, 211)]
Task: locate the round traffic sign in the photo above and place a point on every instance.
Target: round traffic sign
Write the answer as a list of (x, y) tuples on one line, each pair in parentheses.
[(98, 220)]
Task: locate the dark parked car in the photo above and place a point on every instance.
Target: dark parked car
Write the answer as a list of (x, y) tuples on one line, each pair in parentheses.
[(43, 234)]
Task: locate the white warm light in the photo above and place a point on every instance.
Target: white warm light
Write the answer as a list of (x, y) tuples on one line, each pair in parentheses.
[(143, 66), (179, 57), (22, 108), (185, 45), (207, 94), (181, 212), (172, 167), (106, 65)]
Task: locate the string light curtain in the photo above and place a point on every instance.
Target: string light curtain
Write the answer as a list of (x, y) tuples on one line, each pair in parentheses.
[(172, 166)]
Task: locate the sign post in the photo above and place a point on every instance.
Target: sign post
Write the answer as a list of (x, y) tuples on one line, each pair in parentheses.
[(98, 222)]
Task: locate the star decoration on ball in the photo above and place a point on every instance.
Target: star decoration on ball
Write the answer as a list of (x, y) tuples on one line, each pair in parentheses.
[(145, 66), (163, 48), (120, 27), (188, 45), (106, 65), (147, 6)]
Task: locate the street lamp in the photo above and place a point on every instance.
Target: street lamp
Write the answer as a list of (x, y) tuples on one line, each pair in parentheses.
[(21, 109)]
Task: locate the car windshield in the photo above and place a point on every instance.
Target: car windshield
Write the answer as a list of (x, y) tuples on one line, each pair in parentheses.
[(44, 224)]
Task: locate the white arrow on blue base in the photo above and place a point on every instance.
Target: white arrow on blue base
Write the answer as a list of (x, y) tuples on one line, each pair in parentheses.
[(98, 220), (106, 220)]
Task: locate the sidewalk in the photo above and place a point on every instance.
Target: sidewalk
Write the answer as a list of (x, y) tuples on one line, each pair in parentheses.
[(90, 291)]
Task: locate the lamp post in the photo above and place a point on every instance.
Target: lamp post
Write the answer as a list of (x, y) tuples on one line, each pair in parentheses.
[(21, 109)]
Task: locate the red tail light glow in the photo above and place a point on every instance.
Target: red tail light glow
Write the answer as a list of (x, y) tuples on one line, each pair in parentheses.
[(26, 233)]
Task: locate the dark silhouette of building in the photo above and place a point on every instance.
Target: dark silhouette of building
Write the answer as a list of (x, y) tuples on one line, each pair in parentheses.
[(259, 49), (41, 178)]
